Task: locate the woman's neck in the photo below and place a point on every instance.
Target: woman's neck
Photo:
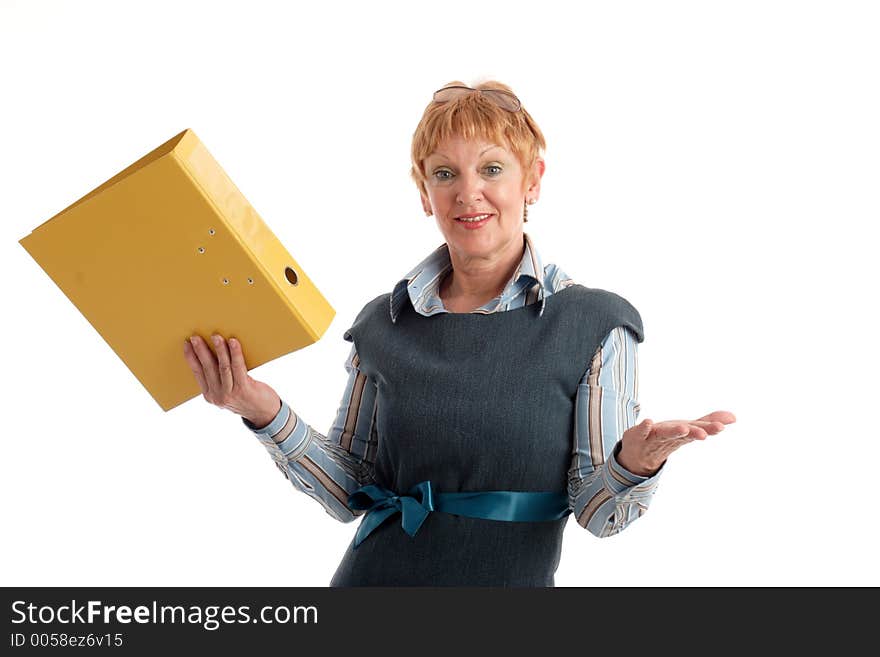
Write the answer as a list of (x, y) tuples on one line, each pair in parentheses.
[(473, 282)]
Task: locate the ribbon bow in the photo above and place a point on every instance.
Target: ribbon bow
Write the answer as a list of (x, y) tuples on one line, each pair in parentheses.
[(381, 503)]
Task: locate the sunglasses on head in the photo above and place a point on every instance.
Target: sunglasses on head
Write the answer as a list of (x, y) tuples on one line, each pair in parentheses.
[(503, 99)]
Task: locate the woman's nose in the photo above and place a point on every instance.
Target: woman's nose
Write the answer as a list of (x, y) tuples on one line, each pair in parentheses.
[(470, 188)]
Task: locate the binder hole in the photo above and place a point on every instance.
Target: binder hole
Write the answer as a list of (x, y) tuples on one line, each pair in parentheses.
[(291, 276), (225, 281), (250, 281), (210, 231), (201, 249)]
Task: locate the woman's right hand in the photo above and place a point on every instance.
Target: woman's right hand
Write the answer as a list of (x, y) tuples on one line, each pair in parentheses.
[(225, 382)]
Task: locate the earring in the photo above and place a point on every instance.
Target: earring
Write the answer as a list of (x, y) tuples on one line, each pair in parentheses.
[(526, 205)]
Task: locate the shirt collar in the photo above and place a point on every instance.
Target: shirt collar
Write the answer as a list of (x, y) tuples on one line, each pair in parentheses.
[(420, 284)]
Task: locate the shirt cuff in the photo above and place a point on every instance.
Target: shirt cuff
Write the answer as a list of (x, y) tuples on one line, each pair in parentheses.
[(621, 481), (285, 437), (274, 425)]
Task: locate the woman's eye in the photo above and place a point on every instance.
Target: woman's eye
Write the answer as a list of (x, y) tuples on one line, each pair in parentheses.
[(493, 169), (443, 174)]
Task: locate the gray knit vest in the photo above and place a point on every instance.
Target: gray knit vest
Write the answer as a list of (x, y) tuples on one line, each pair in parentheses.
[(475, 402)]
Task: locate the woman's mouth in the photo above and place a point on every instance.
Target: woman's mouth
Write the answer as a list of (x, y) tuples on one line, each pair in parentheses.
[(473, 221)]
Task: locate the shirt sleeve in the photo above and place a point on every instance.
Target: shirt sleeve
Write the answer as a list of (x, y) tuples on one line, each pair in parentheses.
[(604, 497), (328, 468)]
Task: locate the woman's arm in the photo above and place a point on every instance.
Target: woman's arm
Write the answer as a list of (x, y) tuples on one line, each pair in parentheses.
[(604, 496), (327, 468)]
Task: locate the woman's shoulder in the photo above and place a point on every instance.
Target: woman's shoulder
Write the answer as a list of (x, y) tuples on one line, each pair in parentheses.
[(606, 303), (597, 295), (372, 309)]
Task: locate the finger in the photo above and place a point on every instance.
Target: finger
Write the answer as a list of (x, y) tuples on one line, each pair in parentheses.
[(239, 368), (724, 417), (209, 366), (194, 365), (669, 429), (710, 428), (678, 428), (674, 429), (224, 366), (695, 433)]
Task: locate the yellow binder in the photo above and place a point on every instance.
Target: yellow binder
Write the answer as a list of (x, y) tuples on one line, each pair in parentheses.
[(167, 248)]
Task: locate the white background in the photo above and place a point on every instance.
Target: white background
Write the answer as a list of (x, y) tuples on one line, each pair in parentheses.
[(714, 163)]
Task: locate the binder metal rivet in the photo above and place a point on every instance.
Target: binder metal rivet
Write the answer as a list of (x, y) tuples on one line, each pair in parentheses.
[(250, 281), (201, 249), (225, 281), (210, 231), (291, 276)]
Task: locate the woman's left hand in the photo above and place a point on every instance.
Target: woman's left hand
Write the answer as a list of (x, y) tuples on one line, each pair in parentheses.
[(647, 444)]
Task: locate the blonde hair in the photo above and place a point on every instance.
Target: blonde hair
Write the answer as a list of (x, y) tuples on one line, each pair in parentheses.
[(470, 116)]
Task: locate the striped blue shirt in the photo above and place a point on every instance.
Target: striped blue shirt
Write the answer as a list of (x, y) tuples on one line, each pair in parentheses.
[(603, 496)]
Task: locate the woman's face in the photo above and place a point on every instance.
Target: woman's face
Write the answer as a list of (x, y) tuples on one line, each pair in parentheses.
[(470, 178)]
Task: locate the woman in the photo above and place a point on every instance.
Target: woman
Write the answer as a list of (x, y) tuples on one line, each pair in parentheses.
[(489, 396)]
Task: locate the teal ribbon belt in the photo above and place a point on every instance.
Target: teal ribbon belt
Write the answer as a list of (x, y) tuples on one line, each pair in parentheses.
[(381, 503)]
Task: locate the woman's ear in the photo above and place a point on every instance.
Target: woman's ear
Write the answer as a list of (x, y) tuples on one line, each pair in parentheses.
[(533, 188), (426, 205)]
